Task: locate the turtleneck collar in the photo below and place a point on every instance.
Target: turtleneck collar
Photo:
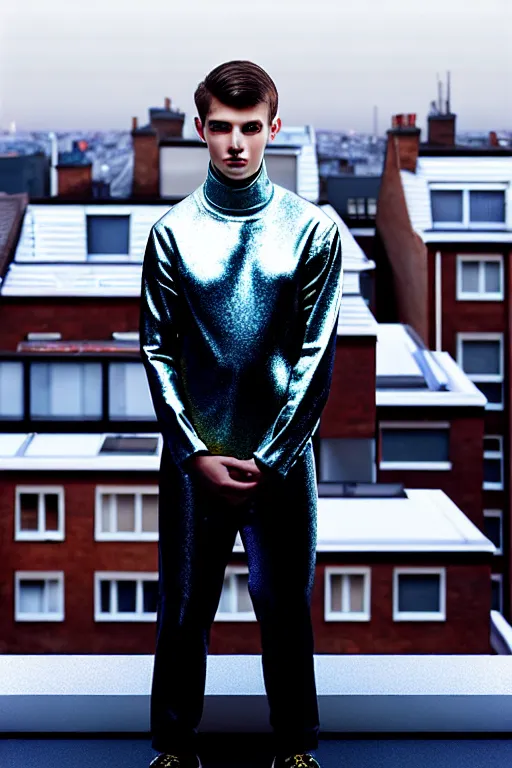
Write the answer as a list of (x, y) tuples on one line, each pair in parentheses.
[(236, 199)]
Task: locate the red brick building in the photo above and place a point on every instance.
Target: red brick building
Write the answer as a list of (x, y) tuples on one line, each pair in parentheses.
[(443, 250)]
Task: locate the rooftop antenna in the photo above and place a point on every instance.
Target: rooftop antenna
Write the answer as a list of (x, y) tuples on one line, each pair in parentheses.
[(448, 110), (440, 94)]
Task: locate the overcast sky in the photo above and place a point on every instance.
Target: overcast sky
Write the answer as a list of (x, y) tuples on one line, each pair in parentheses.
[(67, 65)]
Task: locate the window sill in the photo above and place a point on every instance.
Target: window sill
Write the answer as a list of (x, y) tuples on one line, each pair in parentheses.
[(416, 465)]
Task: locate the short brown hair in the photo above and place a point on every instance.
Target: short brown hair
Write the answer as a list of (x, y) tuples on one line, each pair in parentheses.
[(238, 84)]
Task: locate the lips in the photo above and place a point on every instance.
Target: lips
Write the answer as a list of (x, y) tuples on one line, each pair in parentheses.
[(234, 160)]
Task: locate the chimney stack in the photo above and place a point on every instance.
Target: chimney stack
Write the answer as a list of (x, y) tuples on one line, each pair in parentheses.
[(493, 139), (167, 103), (74, 174), (135, 123), (406, 138)]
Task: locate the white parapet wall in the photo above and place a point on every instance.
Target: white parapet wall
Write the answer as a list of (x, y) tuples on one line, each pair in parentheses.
[(356, 693)]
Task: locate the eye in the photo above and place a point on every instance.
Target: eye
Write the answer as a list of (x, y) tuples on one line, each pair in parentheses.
[(252, 127)]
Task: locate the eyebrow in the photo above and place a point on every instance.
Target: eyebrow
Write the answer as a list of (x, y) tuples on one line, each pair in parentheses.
[(226, 122)]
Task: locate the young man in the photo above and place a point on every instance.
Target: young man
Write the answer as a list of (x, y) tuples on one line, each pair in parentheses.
[(241, 291)]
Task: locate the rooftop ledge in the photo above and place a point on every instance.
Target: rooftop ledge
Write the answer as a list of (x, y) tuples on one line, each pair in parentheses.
[(356, 693)]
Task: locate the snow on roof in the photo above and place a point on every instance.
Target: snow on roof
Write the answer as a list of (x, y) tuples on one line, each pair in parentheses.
[(354, 258), (409, 374)]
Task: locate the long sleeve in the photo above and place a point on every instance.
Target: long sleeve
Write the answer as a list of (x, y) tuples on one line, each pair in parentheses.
[(310, 379), (158, 347)]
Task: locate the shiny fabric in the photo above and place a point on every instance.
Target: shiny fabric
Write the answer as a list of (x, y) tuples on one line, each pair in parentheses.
[(240, 296), (241, 290)]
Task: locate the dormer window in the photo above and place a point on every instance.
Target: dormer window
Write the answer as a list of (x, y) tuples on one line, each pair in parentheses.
[(108, 236), (468, 207)]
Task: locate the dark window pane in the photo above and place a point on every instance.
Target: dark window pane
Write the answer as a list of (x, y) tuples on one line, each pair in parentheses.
[(51, 503), (105, 596), (492, 470), (126, 595), (492, 277), (487, 206), (481, 356), (492, 444), (108, 234), (419, 592), (28, 505), (492, 390), (150, 596), (415, 445), (492, 530), (495, 595), (446, 205)]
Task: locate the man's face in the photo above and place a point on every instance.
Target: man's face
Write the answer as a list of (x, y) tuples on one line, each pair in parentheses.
[(237, 133)]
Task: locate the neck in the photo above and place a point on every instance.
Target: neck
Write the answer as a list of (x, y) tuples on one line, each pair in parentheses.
[(237, 197)]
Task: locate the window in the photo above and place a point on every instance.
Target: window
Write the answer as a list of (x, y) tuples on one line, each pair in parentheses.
[(493, 528), (124, 513), (65, 390), (419, 594), (108, 235), (478, 207), (480, 277), (39, 596), (347, 460), (125, 596), (39, 513), (480, 355), (347, 594), (235, 602), (487, 206), (11, 390), (129, 394), (362, 207), (497, 592), (493, 463), (415, 445), (446, 206)]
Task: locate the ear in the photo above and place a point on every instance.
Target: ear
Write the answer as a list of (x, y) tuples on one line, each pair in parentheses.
[(275, 127), (199, 128)]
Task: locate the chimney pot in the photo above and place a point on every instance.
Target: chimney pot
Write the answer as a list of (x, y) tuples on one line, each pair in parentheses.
[(167, 102), (135, 123)]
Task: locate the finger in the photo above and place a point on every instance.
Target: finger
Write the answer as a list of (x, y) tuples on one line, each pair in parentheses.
[(242, 485)]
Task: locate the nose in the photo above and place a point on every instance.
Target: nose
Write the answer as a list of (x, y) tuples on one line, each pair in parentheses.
[(236, 139)]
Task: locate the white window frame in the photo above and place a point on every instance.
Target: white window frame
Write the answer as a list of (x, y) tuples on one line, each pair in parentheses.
[(499, 578), (20, 576), (417, 615), (91, 210), (487, 485), (499, 514), (490, 377), (137, 491), (41, 534), (466, 188), (479, 295), (114, 615), (231, 571), (346, 572), (415, 465)]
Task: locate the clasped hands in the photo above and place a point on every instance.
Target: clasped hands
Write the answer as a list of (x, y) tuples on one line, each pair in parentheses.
[(233, 480)]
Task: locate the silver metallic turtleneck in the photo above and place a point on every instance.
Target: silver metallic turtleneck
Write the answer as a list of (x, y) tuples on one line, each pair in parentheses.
[(241, 291)]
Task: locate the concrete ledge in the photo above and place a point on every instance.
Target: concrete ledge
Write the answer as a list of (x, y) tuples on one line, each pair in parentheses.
[(356, 693)]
